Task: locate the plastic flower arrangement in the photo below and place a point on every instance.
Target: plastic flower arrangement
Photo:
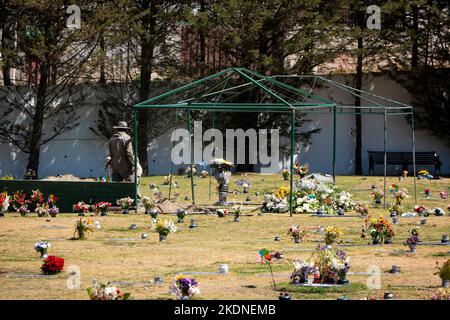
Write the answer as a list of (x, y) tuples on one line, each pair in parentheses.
[(362, 209), (414, 237), (303, 269), (164, 227), (83, 226), (393, 188), (441, 294), (378, 229), (282, 192), (399, 195), (286, 174), (296, 233), (41, 210), (51, 201), (245, 183), (238, 210), (148, 203), (125, 203), (37, 197), (423, 174), (190, 171), (41, 247), (443, 271), (181, 213), (4, 202), (103, 291), (81, 207), (301, 170), (52, 265), (272, 203), (420, 209), (102, 207), (53, 211), (184, 287), (332, 235), (204, 174), (23, 210), (19, 199), (377, 195), (443, 195), (167, 180), (426, 191)]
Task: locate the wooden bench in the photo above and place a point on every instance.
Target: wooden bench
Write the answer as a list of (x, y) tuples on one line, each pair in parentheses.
[(404, 159)]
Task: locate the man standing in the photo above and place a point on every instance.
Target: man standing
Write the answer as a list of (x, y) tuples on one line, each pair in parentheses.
[(121, 155)]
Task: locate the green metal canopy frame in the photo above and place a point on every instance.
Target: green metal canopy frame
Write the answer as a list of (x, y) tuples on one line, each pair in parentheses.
[(230, 90)]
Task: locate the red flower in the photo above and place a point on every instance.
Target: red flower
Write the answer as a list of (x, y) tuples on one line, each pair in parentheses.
[(52, 265)]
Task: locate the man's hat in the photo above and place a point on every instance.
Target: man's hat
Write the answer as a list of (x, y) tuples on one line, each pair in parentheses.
[(121, 125)]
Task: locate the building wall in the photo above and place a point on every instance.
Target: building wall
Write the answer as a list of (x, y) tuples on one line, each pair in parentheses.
[(81, 153)]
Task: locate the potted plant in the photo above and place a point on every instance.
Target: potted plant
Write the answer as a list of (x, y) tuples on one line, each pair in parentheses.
[(413, 239), (104, 292), (164, 228), (444, 273), (296, 233), (332, 235), (52, 265), (83, 226), (125, 204), (286, 174), (148, 203), (102, 207), (41, 247), (181, 213), (377, 196), (184, 287)]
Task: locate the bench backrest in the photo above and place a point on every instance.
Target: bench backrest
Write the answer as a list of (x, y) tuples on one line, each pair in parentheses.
[(377, 157)]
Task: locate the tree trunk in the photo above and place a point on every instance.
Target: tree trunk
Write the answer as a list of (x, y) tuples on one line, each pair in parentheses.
[(147, 52), (38, 121), (415, 46), (358, 120), (6, 44), (202, 58), (103, 56)]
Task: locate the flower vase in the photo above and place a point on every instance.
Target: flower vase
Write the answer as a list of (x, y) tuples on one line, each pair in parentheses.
[(44, 255), (375, 241), (393, 213), (236, 219), (104, 211), (246, 189), (343, 279), (377, 201), (125, 210), (162, 237), (185, 297), (1, 212), (180, 220), (388, 240), (297, 240), (412, 249), (328, 246), (154, 214)]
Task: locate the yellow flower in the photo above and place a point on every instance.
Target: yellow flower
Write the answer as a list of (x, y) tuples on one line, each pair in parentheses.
[(178, 277)]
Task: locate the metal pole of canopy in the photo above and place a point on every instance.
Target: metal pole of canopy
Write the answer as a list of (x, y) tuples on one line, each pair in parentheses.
[(192, 155), (292, 161), (210, 169), (334, 145), (385, 159), (135, 124), (414, 156), (171, 162)]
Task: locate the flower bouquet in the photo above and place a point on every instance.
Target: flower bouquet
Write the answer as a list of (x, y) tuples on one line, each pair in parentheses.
[(238, 211), (167, 180), (221, 213), (164, 228), (362, 209), (301, 170), (420, 210), (53, 211), (41, 210), (181, 213), (102, 207), (83, 226), (184, 287), (23, 210), (426, 191), (103, 291), (296, 233), (424, 174), (399, 195), (393, 188), (286, 174), (443, 195), (41, 247), (51, 201), (190, 171), (413, 239), (332, 235), (4, 203), (36, 199), (81, 208), (377, 195), (204, 174), (303, 269), (125, 204), (378, 229), (52, 265), (245, 183), (19, 199), (148, 203), (330, 266)]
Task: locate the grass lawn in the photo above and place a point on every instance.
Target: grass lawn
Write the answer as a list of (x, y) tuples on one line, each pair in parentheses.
[(217, 241)]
